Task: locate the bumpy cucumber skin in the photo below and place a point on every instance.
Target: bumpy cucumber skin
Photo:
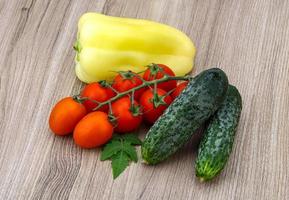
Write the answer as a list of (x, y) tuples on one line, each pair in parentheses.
[(217, 143), (200, 99)]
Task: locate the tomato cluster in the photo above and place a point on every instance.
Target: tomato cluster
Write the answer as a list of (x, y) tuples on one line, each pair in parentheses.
[(99, 110)]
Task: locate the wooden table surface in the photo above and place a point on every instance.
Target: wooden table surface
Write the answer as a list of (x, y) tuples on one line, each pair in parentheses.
[(247, 39)]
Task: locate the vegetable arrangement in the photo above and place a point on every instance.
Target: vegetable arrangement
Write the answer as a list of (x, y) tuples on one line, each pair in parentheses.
[(120, 106), (108, 110)]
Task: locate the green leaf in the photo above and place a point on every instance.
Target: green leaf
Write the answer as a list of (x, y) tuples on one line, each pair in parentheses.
[(119, 163), (112, 148), (130, 151), (132, 139), (120, 151)]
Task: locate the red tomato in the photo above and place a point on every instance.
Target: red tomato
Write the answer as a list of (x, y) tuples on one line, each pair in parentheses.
[(157, 71), (128, 118), (127, 80), (93, 130), (179, 89), (150, 112), (97, 92), (65, 115)]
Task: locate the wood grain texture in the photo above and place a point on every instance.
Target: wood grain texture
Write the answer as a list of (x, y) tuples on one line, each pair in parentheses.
[(248, 39)]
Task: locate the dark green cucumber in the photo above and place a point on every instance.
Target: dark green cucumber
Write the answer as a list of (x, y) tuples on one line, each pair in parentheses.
[(200, 99), (218, 140)]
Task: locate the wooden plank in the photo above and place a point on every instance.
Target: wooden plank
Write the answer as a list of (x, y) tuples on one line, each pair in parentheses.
[(248, 39)]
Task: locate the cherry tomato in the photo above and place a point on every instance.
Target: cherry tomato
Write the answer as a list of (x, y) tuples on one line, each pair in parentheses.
[(151, 112), (93, 130), (157, 71), (127, 80), (128, 116), (65, 115), (97, 92), (179, 89)]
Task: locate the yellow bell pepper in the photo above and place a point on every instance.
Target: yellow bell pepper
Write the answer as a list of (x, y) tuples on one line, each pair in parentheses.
[(107, 44)]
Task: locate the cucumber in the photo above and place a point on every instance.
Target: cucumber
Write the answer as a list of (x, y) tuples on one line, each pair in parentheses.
[(216, 145), (199, 100)]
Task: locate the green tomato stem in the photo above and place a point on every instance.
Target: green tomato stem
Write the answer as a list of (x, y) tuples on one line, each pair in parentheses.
[(144, 84)]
